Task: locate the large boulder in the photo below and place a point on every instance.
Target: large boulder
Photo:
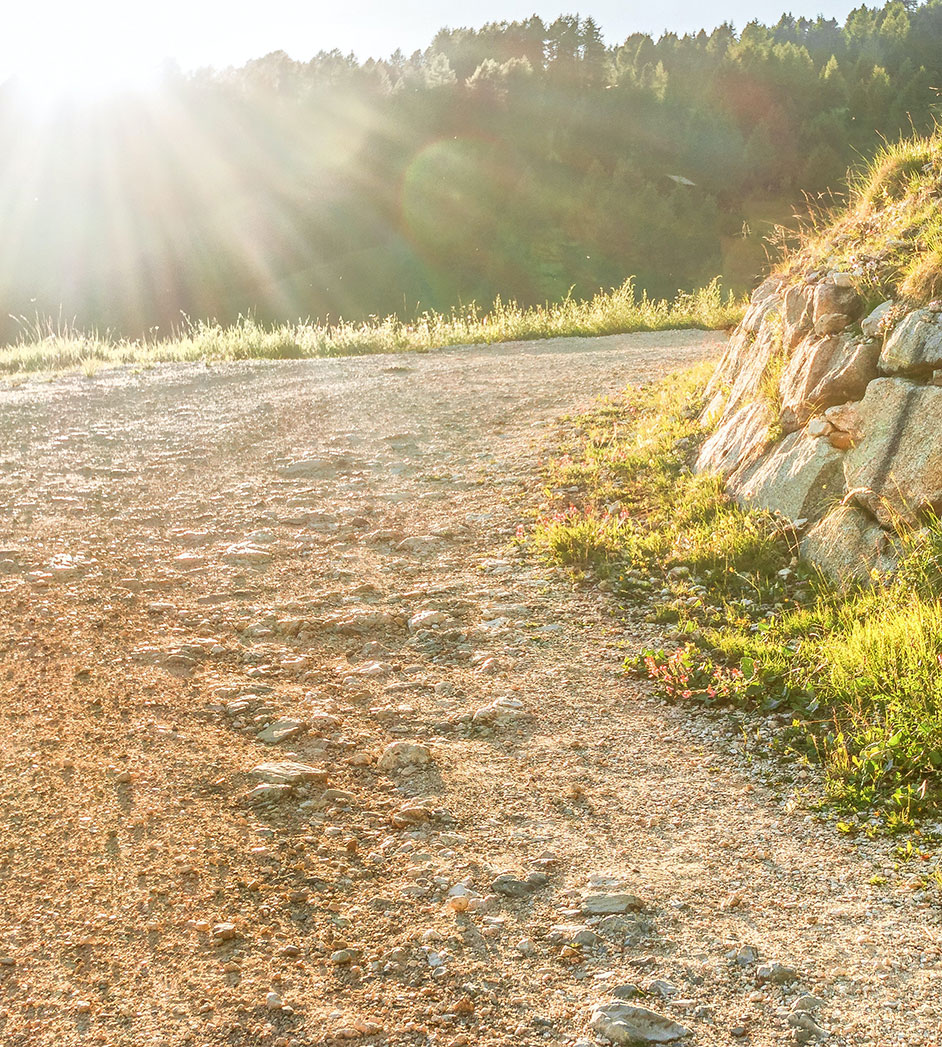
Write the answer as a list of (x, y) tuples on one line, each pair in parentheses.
[(825, 371), (801, 478), (741, 437), (849, 545), (895, 469), (915, 346), (836, 296), (755, 342), (797, 314)]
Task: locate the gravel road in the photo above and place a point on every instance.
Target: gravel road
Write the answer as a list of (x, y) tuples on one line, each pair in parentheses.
[(298, 747)]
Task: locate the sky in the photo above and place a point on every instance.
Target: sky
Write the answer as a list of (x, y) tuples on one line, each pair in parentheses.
[(91, 45)]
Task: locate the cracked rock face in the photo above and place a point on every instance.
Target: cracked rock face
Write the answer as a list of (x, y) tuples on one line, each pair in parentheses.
[(858, 401), (895, 470)]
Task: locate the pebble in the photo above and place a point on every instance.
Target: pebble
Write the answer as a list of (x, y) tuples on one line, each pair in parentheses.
[(398, 755)]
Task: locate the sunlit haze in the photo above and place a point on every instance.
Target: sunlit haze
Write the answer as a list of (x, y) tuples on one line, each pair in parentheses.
[(61, 47)]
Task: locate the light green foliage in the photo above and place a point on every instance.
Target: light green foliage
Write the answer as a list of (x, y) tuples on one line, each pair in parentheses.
[(46, 346)]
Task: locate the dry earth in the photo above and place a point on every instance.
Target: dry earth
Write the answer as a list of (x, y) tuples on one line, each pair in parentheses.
[(192, 555)]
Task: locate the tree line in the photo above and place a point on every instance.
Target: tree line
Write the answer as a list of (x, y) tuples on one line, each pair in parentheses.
[(521, 159)]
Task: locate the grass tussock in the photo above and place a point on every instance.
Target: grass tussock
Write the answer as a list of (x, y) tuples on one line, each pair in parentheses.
[(49, 346), (889, 232), (852, 681)]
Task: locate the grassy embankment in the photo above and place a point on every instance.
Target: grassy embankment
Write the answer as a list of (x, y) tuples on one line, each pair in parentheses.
[(851, 681), (49, 347)]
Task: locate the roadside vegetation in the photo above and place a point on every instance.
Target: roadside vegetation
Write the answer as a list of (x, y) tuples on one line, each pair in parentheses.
[(48, 346), (889, 234), (852, 681)]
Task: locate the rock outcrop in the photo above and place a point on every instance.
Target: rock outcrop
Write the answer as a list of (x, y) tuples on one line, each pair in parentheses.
[(830, 415)]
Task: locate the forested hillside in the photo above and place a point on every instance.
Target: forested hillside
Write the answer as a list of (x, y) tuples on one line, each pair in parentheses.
[(518, 159)]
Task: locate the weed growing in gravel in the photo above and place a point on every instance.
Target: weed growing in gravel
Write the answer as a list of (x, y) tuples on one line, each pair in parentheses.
[(56, 346), (852, 681)]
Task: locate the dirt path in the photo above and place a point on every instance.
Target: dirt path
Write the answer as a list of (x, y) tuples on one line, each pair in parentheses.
[(321, 552)]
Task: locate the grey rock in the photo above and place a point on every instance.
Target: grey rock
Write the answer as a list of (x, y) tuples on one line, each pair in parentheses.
[(512, 887), (895, 469), (265, 793), (741, 437), (808, 1003), (776, 974), (605, 904), (806, 1027), (823, 372), (624, 1023), (849, 545), (800, 478), (832, 297), (628, 991), (289, 772), (915, 346), (573, 934), (871, 325), (397, 755), (280, 731)]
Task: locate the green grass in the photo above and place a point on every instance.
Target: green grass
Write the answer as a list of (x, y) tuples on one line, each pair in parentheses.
[(47, 346), (890, 232), (852, 681)]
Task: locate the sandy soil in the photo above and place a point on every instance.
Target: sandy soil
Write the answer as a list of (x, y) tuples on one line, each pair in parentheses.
[(321, 552)]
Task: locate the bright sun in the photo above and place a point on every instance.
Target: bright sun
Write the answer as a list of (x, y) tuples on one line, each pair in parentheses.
[(60, 50)]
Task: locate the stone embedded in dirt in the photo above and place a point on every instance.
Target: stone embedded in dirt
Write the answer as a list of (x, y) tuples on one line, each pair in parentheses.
[(511, 886), (289, 772), (281, 731), (624, 1023), (610, 904), (776, 974), (427, 620), (267, 793), (808, 1003), (398, 755), (745, 956), (573, 934), (245, 552), (420, 544), (224, 932), (274, 1002), (500, 713), (663, 988), (627, 991)]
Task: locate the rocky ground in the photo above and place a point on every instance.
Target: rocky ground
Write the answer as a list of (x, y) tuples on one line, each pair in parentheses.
[(298, 747)]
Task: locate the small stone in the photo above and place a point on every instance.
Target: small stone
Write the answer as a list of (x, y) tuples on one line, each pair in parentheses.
[(288, 772), (280, 731), (624, 1023), (83, 1006), (404, 754), (512, 887), (776, 973), (224, 932), (609, 904), (274, 1002), (807, 1002), (525, 947), (746, 955)]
